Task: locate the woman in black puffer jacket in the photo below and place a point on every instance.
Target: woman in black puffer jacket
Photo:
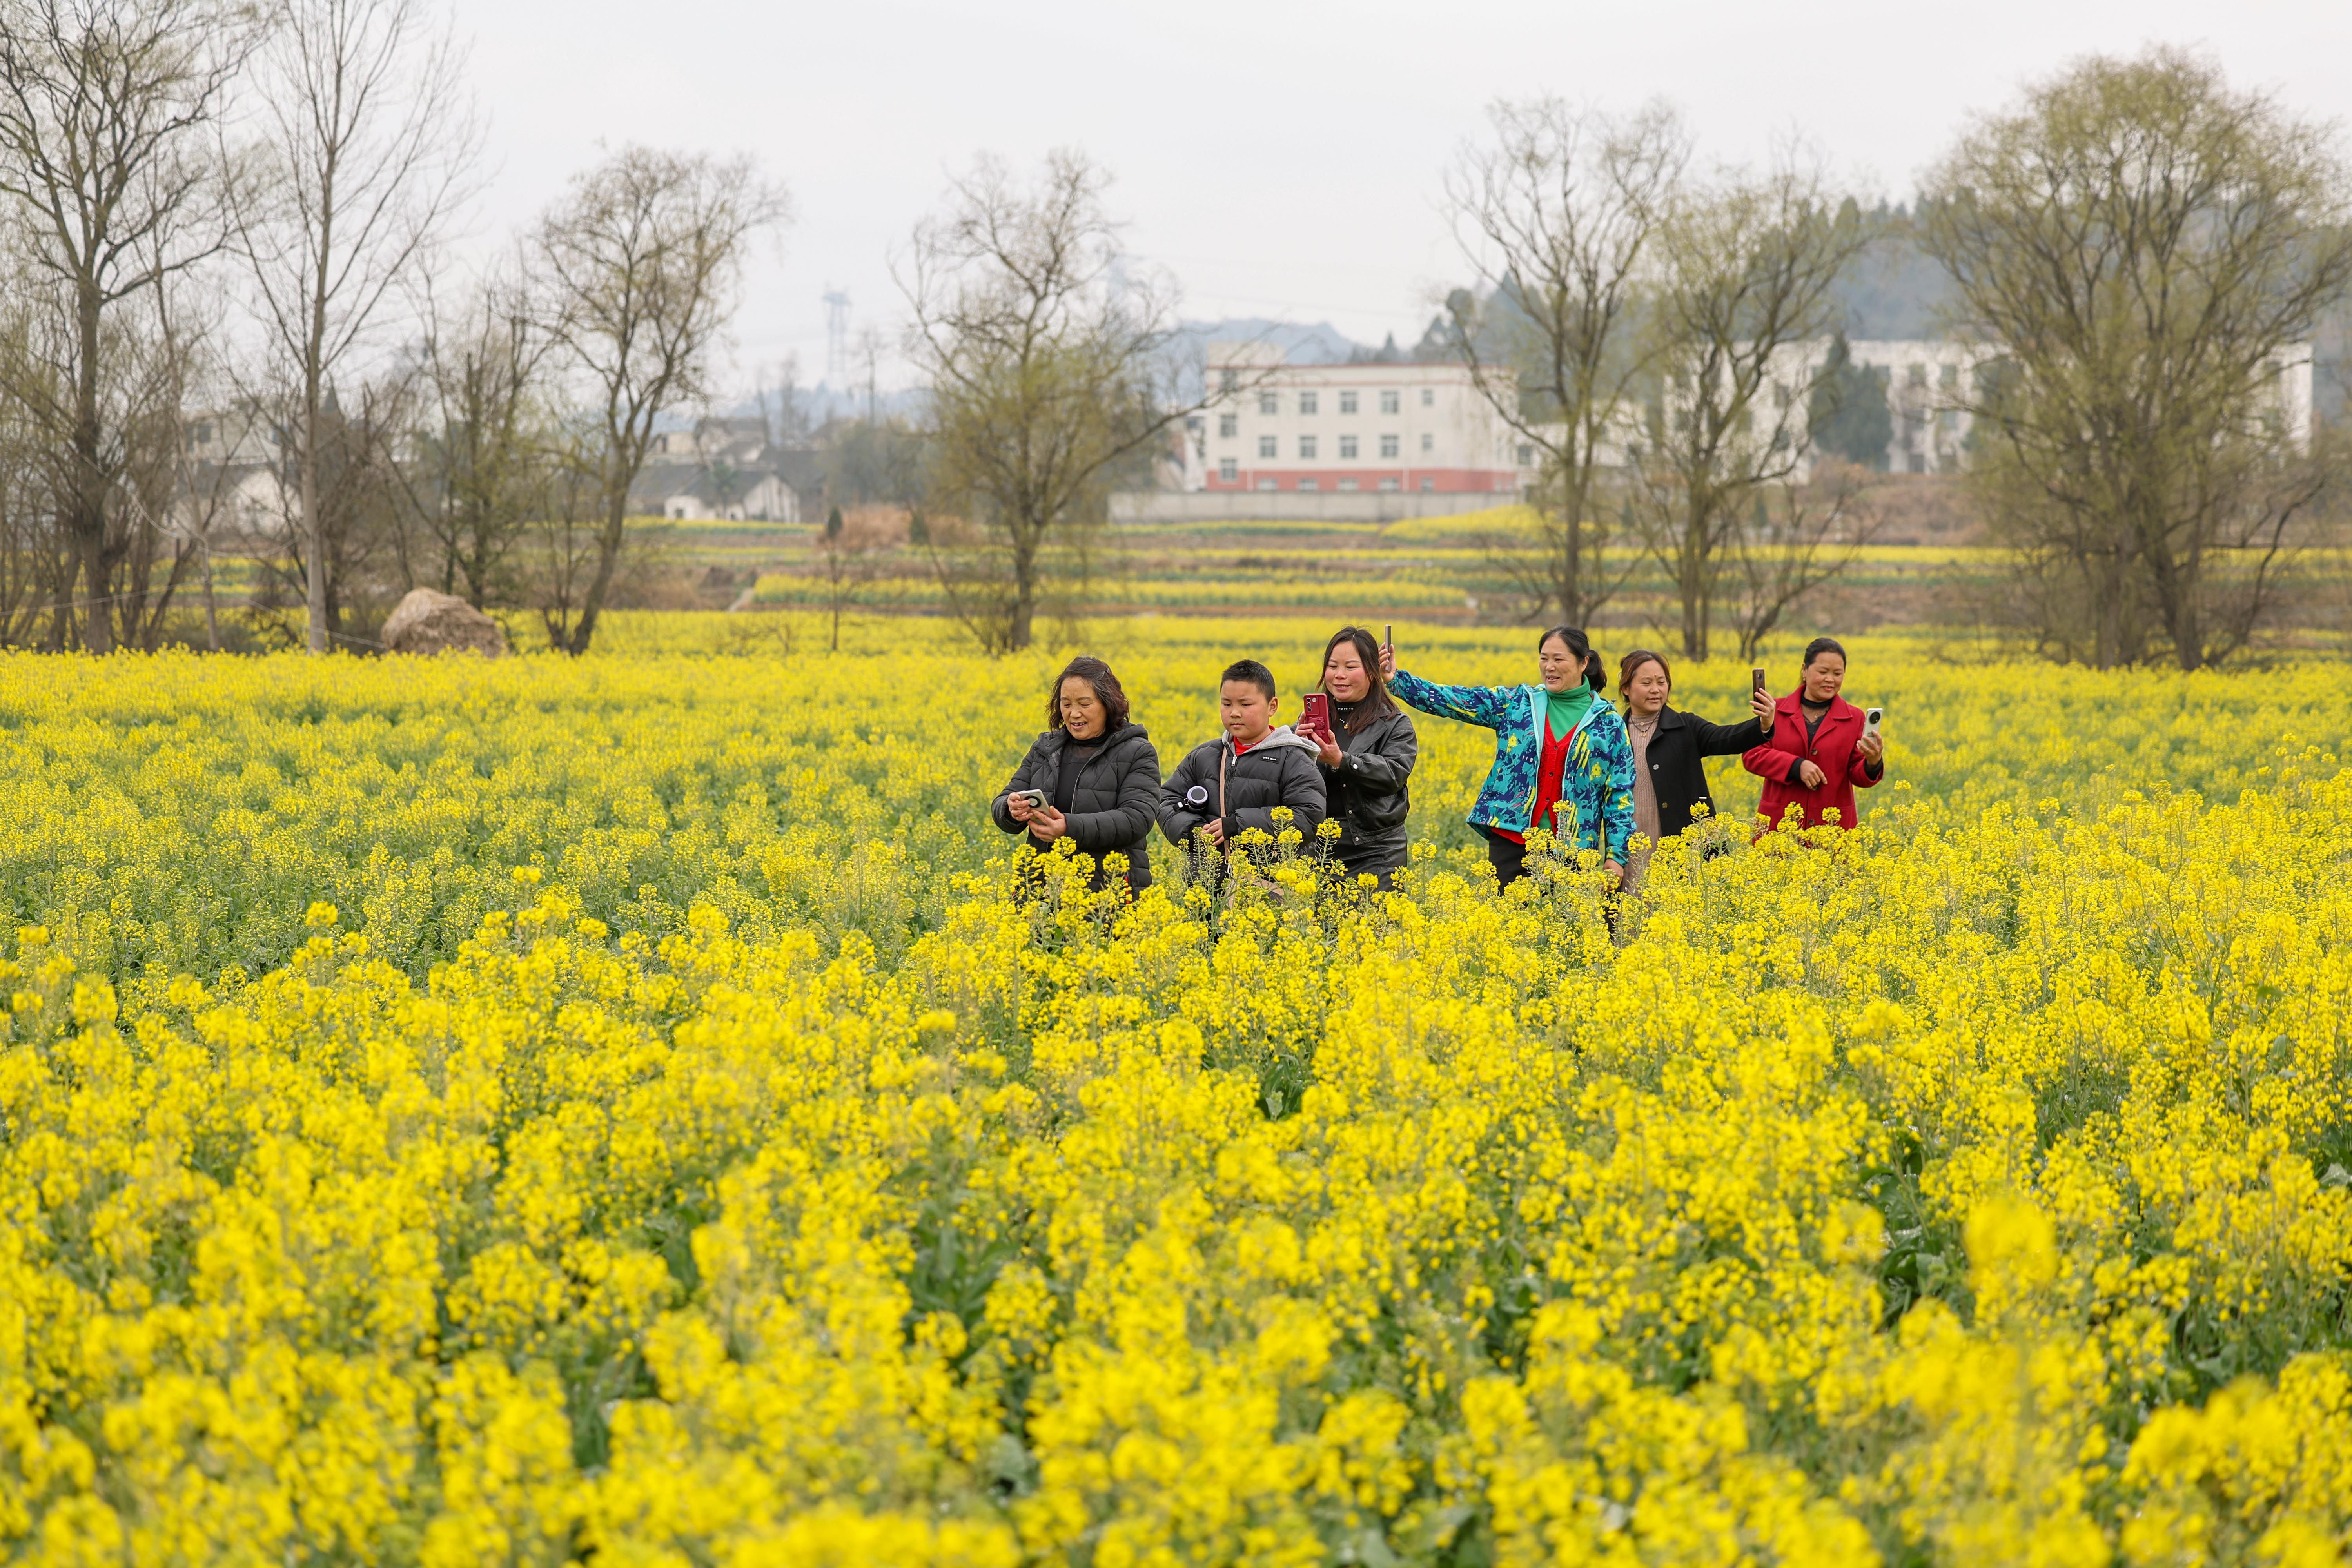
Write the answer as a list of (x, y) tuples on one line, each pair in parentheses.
[(1366, 759), (1097, 773)]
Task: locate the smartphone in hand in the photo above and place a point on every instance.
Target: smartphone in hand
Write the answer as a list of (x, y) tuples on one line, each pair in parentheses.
[(1316, 718), (1035, 797), (1871, 718), (1755, 680)]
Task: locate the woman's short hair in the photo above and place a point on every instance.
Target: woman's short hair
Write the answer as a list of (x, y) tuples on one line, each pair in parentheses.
[(1631, 666), (1377, 699), (1096, 674), (1820, 645), (1579, 647)]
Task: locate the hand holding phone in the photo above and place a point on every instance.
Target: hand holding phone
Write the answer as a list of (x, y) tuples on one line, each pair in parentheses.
[(1317, 719), (1023, 802)]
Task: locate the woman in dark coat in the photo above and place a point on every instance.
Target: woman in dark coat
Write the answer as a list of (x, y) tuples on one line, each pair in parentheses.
[(1098, 771), (1367, 759), (1669, 780)]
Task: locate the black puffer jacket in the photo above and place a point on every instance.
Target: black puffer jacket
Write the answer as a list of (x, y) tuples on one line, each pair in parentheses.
[(1116, 798), (1366, 795), (1278, 770)]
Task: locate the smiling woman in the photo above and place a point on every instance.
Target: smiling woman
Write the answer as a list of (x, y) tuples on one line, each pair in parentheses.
[(1092, 778), (1820, 748)]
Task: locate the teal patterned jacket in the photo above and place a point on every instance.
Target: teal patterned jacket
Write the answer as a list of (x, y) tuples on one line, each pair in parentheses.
[(1598, 785)]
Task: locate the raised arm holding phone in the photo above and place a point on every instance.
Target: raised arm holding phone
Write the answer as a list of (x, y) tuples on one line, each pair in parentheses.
[(1562, 761), (1821, 748)]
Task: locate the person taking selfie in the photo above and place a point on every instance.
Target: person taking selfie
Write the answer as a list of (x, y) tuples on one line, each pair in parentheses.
[(1821, 748), (1669, 776), (1366, 756), (1561, 757), (1227, 786), (1092, 777)]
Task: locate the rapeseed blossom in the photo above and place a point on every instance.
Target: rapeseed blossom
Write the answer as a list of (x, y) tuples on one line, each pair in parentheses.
[(628, 1108)]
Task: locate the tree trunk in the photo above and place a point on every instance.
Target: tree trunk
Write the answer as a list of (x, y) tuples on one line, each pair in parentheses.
[(212, 609), (87, 519), (608, 554)]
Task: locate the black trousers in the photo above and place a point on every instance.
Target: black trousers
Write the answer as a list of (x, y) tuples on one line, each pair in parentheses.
[(1509, 860)]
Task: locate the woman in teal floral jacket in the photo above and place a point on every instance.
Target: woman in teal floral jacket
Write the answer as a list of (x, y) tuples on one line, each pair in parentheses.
[(1557, 745)]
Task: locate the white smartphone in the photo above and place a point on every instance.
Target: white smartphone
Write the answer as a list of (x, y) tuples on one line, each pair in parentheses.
[(1035, 797), (1870, 717)]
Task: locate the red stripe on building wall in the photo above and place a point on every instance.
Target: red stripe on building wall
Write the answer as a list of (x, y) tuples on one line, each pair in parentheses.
[(1444, 482)]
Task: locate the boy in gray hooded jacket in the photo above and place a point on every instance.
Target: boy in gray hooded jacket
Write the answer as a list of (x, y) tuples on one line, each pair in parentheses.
[(1227, 786)]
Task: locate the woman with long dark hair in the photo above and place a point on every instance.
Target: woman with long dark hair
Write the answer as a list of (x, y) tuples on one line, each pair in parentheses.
[(1367, 759), (1820, 749), (1669, 779), (1092, 777), (1557, 745)]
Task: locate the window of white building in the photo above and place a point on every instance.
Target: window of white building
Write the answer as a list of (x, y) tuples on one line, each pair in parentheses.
[(1307, 446), (1429, 397), (1428, 484), (1267, 403), (1307, 403), (1269, 485), (1350, 485), (1348, 446), (1526, 455), (1390, 483), (1388, 443), (1228, 471), (1309, 484), (1428, 442), (1228, 426), (1268, 447), (1347, 402), (1388, 403)]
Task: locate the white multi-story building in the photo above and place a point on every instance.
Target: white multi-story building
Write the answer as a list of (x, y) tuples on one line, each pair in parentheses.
[(1272, 426)]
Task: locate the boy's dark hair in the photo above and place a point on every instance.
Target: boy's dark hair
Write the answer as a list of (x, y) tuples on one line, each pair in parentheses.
[(1254, 672), (1096, 674)]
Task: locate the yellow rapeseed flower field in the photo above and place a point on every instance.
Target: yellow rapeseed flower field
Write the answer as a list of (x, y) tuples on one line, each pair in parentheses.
[(540, 1110)]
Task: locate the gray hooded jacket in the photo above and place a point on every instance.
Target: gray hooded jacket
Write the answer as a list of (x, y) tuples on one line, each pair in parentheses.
[(1245, 790)]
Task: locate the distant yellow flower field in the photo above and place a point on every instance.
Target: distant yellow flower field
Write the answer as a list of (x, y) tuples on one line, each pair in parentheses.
[(619, 1110)]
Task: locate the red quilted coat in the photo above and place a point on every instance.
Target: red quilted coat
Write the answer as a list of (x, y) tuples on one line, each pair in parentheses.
[(1832, 748)]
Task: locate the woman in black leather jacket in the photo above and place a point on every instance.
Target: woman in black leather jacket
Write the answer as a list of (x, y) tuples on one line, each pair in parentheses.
[(1367, 759)]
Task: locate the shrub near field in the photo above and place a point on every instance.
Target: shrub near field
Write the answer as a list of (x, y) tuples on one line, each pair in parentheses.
[(539, 1111)]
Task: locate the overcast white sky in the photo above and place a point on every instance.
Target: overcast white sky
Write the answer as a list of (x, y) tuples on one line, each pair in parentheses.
[(1279, 158)]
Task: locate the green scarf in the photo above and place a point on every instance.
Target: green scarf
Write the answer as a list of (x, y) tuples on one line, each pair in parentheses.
[(1567, 708)]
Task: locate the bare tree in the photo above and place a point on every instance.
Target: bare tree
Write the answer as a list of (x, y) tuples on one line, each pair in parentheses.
[(1042, 346), (1805, 534), (103, 109), (35, 556), (1557, 214), (475, 477), (643, 261), (1747, 265), (2144, 248), (368, 137)]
